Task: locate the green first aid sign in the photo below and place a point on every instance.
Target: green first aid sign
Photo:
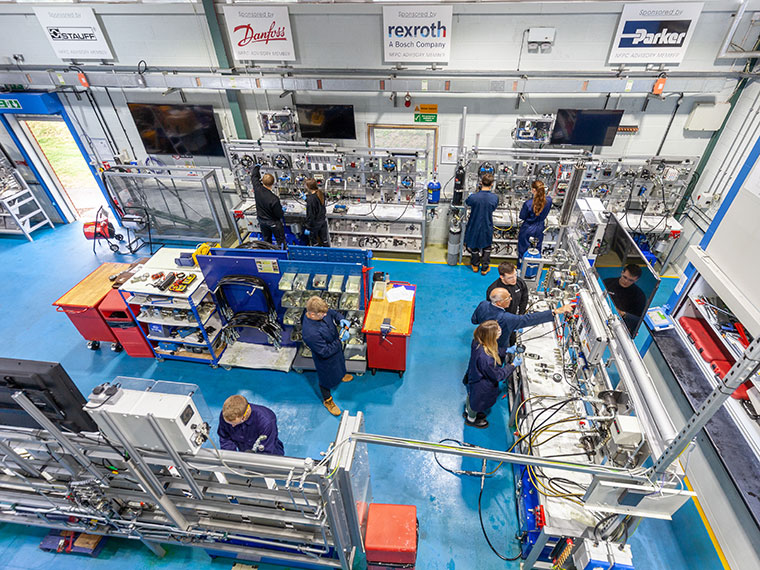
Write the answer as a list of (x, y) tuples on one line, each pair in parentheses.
[(425, 117), (9, 104)]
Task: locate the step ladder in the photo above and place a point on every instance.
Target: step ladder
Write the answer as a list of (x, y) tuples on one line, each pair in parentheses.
[(20, 212)]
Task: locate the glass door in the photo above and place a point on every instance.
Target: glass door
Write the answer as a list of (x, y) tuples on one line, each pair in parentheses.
[(60, 156)]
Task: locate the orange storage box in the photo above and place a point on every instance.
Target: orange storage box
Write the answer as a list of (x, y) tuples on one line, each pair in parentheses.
[(391, 539)]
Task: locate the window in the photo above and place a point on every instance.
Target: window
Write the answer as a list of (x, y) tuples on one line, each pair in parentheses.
[(410, 137)]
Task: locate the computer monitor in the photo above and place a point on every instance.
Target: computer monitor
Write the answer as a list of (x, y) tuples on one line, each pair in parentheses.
[(48, 386)]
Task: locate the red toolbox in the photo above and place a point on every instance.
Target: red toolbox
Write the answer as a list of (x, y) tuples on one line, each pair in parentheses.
[(127, 331), (391, 539), (705, 340), (81, 302), (386, 350)]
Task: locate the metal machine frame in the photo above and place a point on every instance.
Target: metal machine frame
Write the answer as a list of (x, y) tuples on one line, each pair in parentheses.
[(131, 180)]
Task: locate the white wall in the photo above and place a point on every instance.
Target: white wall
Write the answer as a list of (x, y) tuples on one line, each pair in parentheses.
[(485, 37)]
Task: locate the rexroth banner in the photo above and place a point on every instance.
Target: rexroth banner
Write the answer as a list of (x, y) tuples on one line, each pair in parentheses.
[(417, 33), (654, 32), (260, 32)]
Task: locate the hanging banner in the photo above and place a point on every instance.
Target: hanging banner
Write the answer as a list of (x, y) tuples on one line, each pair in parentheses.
[(74, 33), (260, 33), (654, 32), (417, 33)]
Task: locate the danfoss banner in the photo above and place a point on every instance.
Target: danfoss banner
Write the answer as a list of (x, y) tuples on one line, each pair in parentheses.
[(654, 32), (260, 33), (417, 33)]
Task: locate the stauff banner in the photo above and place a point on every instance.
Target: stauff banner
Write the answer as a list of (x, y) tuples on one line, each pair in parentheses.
[(260, 33), (417, 33), (654, 32), (73, 32)]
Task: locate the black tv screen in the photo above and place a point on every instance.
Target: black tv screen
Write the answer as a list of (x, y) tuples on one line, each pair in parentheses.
[(326, 121), (586, 127), (177, 129), (51, 390)]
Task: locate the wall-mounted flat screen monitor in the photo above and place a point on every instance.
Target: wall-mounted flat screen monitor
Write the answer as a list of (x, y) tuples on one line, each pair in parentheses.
[(177, 129), (326, 121), (586, 127), (51, 390)]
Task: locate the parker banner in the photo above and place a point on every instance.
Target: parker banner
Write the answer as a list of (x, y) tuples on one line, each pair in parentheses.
[(655, 32), (417, 33), (74, 33), (260, 32)]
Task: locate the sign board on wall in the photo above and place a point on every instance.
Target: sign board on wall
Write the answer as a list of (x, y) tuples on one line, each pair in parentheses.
[(260, 32), (74, 33), (417, 33), (426, 113), (655, 32)]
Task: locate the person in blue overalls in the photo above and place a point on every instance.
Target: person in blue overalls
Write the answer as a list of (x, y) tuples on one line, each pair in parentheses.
[(247, 427), (484, 372), (533, 215), (320, 334), (478, 236)]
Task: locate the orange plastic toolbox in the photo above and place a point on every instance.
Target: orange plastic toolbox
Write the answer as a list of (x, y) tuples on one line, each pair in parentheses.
[(391, 539)]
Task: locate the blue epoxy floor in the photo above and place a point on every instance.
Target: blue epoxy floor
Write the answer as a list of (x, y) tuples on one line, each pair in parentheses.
[(426, 404)]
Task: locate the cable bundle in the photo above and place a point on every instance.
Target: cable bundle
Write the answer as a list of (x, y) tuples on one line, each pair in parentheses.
[(266, 322), (255, 320)]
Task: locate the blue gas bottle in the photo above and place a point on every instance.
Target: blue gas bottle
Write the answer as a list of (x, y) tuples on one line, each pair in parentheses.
[(434, 191), (531, 268)]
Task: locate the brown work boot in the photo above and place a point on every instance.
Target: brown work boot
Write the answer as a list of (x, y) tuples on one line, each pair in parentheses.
[(347, 378), (331, 406), (474, 268)]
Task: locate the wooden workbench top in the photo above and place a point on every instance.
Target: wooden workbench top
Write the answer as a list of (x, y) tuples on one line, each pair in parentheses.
[(91, 290), (401, 313)]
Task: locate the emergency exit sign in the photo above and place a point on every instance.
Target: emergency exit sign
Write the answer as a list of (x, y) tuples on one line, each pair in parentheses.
[(9, 104)]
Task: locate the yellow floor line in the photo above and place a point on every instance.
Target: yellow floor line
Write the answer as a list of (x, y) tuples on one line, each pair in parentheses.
[(710, 532)]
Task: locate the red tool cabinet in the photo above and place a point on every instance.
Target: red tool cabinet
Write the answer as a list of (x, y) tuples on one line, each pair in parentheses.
[(388, 351), (114, 311), (81, 302)]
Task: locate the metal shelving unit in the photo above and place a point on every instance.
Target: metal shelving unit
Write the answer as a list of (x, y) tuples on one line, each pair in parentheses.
[(191, 313)]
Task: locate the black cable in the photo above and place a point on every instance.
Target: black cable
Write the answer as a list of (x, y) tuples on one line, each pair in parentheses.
[(435, 456), (599, 525), (118, 118), (483, 528)]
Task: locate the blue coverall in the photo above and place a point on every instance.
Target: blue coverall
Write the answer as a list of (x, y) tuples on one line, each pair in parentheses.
[(483, 377), (478, 236), (487, 311), (241, 437), (326, 348), (532, 227)]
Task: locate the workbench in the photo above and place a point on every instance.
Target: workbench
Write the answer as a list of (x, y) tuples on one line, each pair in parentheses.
[(81, 302), (386, 349)]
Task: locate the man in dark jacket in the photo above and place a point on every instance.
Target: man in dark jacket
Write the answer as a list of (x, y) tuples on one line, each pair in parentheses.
[(478, 236), (268, 207), (248, 427), (630, 301), (320, 334), (509, 279), (496, 309)]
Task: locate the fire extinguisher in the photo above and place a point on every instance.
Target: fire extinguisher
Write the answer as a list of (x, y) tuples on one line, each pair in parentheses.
[(459, 175)]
